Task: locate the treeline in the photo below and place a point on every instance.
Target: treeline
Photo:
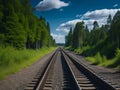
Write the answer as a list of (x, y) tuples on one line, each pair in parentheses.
[(20, 28), (104, 39)]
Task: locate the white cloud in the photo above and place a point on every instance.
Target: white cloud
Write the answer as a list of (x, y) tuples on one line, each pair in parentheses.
[(98, 14), (50, 4), (78, 16), (89, 17), (59, 38), (115, 5)]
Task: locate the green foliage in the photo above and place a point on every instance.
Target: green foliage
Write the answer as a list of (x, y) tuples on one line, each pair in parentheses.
[(103, 61), (102, 41), (78, 35), (97, 59), (95, 25), (20, 28), (109, 20), (20, 33), (115, 62), (117, 59), (15, 35), (68, 38), (80, 50), (13, 60), (114, 33)]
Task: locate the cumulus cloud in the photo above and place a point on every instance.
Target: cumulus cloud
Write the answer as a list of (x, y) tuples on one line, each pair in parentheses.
[(46, 5), (59, 38), (98, 14), (89, 17)]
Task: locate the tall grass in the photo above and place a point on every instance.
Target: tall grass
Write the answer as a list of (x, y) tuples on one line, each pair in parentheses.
[(80, 50), (115, 62), (97, 59), (103, 61), (12, 60)]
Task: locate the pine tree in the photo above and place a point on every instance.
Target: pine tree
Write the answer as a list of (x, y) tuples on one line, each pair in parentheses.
[(95, 25), (115, 30), (20, 28), (78, 35), (68, 38)]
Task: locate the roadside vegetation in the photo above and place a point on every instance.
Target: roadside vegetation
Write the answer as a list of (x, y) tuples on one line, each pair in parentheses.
[(13, 60), (104, 61), (24, 38), (101, 45)]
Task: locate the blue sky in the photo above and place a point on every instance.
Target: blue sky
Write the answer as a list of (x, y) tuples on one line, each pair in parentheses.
[(63, 14)]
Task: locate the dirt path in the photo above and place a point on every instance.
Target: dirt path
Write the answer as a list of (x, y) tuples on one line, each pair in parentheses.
[(19, 80)]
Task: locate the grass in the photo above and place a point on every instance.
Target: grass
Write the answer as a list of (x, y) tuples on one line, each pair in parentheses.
[(80, 50), (103, 61), (12, 60), (99, 55), (97, 59), (115, 62), (69, 48)]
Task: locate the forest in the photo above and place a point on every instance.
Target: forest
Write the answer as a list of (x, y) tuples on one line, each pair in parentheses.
[(24, 38), (20, 28), (100, 45)]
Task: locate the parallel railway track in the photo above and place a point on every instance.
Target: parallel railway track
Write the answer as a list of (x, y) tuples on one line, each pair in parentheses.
[(64, 72)]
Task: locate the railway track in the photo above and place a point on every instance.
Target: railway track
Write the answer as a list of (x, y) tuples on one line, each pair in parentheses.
[(63, 72)]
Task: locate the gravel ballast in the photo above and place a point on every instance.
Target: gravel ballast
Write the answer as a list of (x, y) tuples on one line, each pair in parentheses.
[(19, 80)]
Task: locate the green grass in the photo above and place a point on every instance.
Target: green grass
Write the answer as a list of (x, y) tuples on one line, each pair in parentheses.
[(12, 60), (103, 61), (115, 62), (80, 50), (97, 59), (69, 48)]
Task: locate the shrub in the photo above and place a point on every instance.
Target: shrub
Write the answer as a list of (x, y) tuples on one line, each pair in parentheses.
[(13, 60)]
